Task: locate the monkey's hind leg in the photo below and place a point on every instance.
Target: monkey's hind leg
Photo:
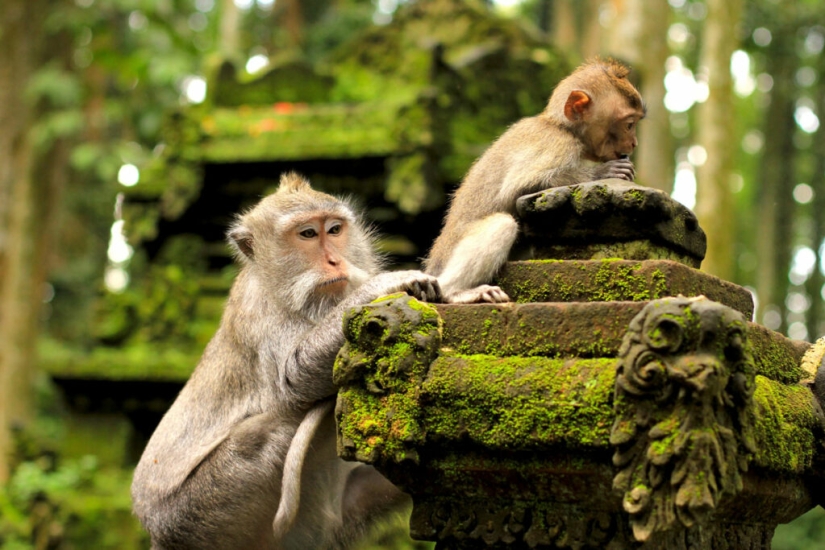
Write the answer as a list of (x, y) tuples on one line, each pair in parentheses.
[(477, 258)]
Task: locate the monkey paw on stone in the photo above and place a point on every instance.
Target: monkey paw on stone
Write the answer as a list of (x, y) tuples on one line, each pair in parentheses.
[(484, 294), (417, 284)]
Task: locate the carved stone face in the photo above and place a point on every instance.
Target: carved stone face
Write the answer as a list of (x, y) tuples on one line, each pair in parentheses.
[(683, 405), (694, 344)]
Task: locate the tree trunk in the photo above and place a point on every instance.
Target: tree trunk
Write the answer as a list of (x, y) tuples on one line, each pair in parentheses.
[(590, 27), (717, 134), (777, 178), (21, 195), (564, 26), (814, 284), (294, 22), (229, 38), (638, 35), (544, 15)]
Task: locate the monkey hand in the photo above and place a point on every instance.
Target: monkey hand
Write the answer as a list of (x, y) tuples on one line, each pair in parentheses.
[(486, 294), (415, 283), (619, 168)]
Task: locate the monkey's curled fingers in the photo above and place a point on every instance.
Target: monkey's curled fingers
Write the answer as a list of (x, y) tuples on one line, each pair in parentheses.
[(426, 290), (484, 294), (415, 283), (620, 168)]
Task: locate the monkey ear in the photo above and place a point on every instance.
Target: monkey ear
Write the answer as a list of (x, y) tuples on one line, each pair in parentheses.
[(578, 102), (240, 238)]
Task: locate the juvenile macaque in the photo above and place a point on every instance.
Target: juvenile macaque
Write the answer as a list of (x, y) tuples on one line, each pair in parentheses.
[(585, 133), (231, 452)]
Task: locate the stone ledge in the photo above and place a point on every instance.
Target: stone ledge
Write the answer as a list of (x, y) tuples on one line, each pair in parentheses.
[(586, 330), (616, 280)]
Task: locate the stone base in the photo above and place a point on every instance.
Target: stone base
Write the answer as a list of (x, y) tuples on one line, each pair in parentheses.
[(584, 513)]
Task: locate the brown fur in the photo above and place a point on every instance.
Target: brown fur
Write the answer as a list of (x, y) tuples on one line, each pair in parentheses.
[(584, 134)]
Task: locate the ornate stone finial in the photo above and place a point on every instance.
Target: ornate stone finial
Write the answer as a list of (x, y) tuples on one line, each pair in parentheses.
[(390, 345), (610, 219), (684, 412)]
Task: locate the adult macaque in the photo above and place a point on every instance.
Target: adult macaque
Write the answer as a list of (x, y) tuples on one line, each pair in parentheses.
[(585, 133), (213, 474)]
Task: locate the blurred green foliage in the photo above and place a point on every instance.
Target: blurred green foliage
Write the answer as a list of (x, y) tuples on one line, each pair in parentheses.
[(805, 533), (69, 504)]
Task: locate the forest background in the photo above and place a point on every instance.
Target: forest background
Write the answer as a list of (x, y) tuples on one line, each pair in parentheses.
[(85, 87)]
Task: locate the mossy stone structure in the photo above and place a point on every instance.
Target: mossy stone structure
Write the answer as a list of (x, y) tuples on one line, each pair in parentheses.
[(623, 400)]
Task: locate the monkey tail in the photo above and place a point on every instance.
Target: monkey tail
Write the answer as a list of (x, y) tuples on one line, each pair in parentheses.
[(293, 465)]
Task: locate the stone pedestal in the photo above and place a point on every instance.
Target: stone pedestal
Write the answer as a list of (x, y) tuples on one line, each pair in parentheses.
[(616, 403)]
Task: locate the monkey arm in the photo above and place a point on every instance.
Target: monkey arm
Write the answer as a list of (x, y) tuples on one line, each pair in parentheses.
[(306, 367)]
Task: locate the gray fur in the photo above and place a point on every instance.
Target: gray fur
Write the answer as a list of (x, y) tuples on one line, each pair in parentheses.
[(211, 475)]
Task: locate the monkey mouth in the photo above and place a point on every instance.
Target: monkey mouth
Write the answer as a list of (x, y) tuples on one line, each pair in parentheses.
[(336, 280)]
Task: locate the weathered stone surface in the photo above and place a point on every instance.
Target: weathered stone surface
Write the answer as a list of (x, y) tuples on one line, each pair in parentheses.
[(616, 280), (684, 428), (386, 357), (497, 419), (585, 330), (552, 330), (566, 222)]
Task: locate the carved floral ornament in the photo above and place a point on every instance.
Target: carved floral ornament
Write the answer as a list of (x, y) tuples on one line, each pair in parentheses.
[(684, 412)]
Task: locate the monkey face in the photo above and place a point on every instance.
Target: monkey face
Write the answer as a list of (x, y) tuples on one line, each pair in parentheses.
[(322, 241), (613, 130)]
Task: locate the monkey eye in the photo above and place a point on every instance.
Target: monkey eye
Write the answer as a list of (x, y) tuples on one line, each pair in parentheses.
[(308, 233), (335, 229)]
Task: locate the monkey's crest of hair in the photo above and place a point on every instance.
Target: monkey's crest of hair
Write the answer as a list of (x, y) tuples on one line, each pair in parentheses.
[(612, 67), (597, 76), (292, 182)]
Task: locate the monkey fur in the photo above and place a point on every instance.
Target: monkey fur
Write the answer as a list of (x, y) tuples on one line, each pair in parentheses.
[(235, 440), (585, 133)]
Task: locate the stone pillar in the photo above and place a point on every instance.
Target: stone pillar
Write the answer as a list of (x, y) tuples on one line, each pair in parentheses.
[(623, 400)]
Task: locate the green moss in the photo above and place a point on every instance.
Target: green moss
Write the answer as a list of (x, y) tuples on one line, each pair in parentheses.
[(613, 280), (376, 427), (774, 355), (390, 344), (519, 402), (785, 426), (615, 283)]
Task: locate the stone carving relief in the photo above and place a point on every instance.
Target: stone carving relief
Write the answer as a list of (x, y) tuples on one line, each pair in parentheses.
[(496, 524), (390, 345), (684, 412)]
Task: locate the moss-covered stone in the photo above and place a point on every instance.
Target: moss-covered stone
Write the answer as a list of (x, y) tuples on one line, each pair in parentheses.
[(615, 280), (291, 80), (607, 212), (776, 356), (631, 250), (787, 427), (511, 418), (550, 330), (518, 402), (390, 345)]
